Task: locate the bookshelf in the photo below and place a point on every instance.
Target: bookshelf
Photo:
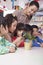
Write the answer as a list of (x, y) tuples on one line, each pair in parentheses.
[(37, 19)]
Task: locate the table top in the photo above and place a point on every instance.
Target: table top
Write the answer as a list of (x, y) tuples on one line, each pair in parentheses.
[(23, 57)]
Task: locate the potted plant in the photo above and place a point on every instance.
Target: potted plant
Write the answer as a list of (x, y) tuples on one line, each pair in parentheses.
[(28, 40)]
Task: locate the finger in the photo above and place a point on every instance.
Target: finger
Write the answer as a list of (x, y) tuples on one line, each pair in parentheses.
[(1, 26), (6, 28)]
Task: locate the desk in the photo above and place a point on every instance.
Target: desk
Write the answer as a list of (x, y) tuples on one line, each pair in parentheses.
[(23, 57)]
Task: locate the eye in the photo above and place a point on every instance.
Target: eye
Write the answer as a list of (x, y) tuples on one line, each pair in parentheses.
[(13, 25), (31, 9)]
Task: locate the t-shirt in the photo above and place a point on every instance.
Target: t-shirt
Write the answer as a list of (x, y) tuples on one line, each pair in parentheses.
[(3, 44), (21, 17), (21, 44), (37, 42)]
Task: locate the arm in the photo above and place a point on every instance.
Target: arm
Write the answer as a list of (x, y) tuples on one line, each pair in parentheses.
[(8, 37), (40, 41), (18, 41)]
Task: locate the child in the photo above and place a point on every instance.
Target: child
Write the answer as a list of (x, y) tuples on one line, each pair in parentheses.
[(21, 28), (11, 26), (5, 45), (38, 42), (18, 38)]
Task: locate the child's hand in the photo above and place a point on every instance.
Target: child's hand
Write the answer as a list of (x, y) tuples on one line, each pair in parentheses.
[(11, 49), (5, 33), (41, 44), (3, 30)]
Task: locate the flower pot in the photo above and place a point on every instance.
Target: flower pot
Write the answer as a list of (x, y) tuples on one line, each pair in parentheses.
[(28, 45)]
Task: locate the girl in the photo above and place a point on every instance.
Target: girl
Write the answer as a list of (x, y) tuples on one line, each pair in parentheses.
[(11, 26), (18, 38), (5, 45), (11, 23), (21, 29)]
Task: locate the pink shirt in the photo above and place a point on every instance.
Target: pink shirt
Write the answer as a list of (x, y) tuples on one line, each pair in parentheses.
[(21, 17)]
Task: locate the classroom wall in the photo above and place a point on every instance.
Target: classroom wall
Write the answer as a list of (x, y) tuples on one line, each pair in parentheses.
[(8, 3)]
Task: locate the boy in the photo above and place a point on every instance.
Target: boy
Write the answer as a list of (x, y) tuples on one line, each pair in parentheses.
[(38, 42)]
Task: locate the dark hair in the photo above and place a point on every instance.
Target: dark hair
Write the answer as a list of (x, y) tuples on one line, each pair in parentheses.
[(20, 26), (28, 27), (34, 3), (10, 19), (2, 21), (34, 26)]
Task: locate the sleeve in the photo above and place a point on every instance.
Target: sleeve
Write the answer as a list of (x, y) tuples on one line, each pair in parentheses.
[(39, 40), (3, 50), (35, 44), (7, 43), (11, 44)]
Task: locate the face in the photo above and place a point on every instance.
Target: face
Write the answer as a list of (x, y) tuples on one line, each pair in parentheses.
[(31, 10), (13, 26), (19, 32), (35, 32)]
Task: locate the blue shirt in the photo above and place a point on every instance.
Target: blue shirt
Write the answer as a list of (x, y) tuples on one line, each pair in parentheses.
[(37, 42)]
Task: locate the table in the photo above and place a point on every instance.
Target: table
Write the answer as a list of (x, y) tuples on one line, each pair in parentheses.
[(23, 57)]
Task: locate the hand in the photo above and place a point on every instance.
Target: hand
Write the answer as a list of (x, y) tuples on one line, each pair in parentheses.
[(4, 31), (17, 40), (11, 49), (41, 44)]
